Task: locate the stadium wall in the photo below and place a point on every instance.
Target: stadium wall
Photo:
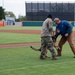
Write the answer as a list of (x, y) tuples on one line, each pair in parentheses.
[(39, 23), (32, 23)]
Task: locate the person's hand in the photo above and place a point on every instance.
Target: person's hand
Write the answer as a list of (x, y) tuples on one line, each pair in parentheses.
[(58, 30), (66, 35), (54, 38)]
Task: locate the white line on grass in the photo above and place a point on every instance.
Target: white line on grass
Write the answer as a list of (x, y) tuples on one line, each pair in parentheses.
[(22, 68)]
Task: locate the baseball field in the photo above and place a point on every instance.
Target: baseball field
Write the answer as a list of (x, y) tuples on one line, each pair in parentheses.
[(17, 58)]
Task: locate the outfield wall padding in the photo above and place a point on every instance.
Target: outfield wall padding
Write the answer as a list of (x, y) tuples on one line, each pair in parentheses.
[(39, 23), (32, 23)]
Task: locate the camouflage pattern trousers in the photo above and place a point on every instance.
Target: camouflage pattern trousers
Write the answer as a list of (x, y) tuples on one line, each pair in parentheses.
[(47, 43)]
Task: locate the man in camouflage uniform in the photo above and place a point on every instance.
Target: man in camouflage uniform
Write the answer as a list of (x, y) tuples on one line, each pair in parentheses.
[(46, 38)]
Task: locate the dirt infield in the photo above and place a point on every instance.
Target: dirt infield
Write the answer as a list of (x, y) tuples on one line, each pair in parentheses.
[(23, 44), (19, 45), (23, 31)]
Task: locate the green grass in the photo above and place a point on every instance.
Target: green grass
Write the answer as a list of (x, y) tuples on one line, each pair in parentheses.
[(20, 28), (24, 61), (18, 38)]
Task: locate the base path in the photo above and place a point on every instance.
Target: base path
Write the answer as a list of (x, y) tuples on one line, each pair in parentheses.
[(19, 45), (22, 31), (23, 44)]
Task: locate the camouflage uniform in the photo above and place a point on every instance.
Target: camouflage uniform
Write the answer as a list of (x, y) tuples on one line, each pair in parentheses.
[(46, 39)]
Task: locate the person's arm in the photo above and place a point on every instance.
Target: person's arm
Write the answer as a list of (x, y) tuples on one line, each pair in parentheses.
[(69, 28), (57, 33), (50, 26)]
